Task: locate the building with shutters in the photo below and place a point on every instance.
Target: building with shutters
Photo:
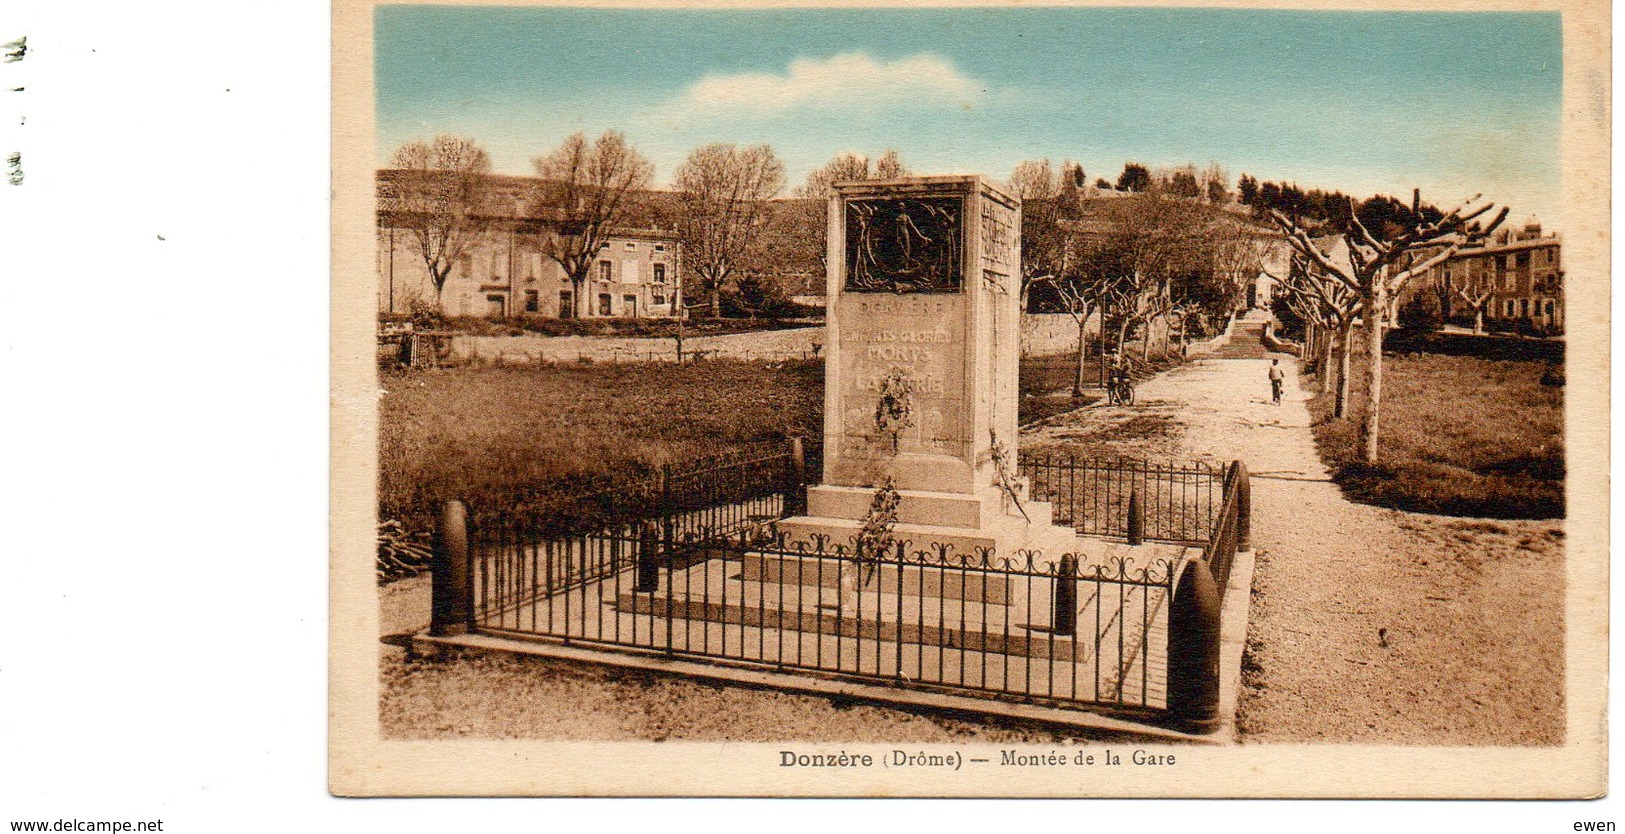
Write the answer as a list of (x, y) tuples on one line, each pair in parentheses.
[(504, 271)]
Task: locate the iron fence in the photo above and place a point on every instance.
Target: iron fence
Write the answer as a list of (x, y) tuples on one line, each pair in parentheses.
[(1178, 502), (974, 623), (1231, 529), (689, 564)]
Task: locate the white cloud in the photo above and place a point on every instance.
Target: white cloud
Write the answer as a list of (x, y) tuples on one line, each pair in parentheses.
[(847, 80)]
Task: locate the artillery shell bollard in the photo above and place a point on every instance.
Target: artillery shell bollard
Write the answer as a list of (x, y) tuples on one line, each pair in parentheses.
[(451, 595), (1066, 597), (1193, 649), (648, 562)]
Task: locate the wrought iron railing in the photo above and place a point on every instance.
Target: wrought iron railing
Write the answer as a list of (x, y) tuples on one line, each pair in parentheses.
[(977, 623), (693, 567), (1178, 502)]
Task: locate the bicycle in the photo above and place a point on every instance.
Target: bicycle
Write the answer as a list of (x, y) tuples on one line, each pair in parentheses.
[(1121, 391)]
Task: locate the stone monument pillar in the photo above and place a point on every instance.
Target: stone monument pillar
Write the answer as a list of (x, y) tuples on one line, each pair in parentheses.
[(921, 372)]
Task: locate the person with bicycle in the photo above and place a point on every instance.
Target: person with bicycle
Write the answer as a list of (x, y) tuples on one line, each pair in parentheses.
[(1119, 386)]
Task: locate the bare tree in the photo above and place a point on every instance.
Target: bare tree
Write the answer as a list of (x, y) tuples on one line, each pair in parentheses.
[(1082, 296), (589, 187), (1330, 308), (1049, 205), (439, 202), (724, 191), (890, 166), (1145, 243), (1476, 289), (846, 167), (1378, 266)]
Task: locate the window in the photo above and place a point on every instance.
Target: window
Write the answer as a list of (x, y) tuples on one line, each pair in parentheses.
[(629, 306), (533, 301), (606, 271), (1510, 308), (567, 305), (660, 273), (659, 300), (1550, 306), (604, 302), (1523, 261), (1525, 305), (496, 306), (631, 246), (660, 247)]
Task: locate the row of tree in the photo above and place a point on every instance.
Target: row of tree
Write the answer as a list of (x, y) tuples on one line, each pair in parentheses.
[(1123, 265), (1342, 282)]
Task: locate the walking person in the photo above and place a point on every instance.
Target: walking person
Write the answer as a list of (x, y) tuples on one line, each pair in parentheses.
[(1276, 378)]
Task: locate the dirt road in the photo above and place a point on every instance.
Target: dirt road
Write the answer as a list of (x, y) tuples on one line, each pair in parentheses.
[(1369, 625)]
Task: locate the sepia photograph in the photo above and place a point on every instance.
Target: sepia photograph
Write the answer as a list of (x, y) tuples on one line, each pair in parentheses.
[(970, 401)]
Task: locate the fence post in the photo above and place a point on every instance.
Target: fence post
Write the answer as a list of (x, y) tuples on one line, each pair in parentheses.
[(451, 595), (795, 496), (1244, 505), (1066, 597), (1136, 519), (1193, 649)]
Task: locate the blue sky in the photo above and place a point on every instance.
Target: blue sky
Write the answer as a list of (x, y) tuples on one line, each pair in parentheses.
[(1365, 102)]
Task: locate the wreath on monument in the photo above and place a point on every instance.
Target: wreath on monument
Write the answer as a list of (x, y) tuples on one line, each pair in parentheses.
[(1004, 472), (875, 538), (894, 413)]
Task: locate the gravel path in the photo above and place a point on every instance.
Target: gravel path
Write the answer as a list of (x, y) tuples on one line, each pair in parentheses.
[(1368, 625)]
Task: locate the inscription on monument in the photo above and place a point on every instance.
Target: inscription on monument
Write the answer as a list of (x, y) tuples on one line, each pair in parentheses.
[(911, 245), (914, 337)]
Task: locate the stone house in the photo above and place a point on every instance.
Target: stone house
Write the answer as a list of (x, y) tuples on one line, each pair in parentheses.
[(1521, 269), (504, 271)]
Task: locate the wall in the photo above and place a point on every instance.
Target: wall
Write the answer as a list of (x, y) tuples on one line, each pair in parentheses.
[(1046, 334)]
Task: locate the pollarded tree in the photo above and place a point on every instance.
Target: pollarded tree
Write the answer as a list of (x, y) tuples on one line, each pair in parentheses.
[(1476, 288), (1379, 264), (1330, 309), (439, 203), (723, 190), (589, 187)]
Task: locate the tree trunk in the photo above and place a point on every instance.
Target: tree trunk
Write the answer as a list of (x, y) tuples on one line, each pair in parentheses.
[(1478, 319), (1102, 350), (1324, 360), (1083, 355), (1345, 351), (1374, 305), (716, 300), (1145, 344)]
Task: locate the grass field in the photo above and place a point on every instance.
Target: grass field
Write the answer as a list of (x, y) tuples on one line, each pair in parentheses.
[(1459, 436), (478, 432), (474, 432)]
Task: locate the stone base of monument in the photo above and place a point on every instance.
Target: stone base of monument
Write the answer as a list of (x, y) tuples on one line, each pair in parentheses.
[(928, 521)]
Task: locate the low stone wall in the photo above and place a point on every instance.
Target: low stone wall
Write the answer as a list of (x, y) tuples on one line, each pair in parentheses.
[(1279, 345), (777, 345), (1201, 346), (1046, 334)]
